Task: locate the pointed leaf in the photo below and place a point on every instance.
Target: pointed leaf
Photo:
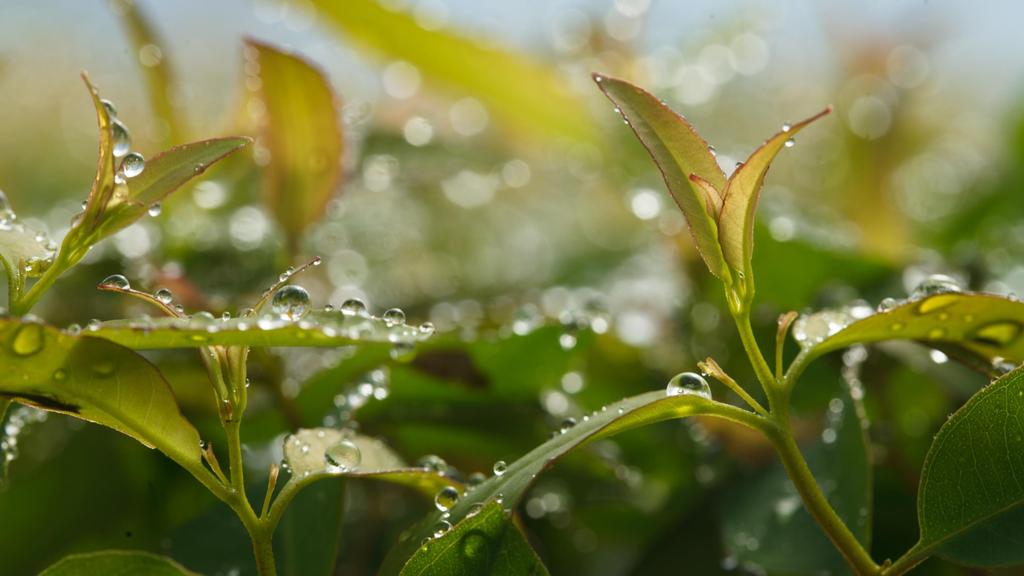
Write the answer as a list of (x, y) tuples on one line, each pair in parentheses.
[(163, 175), (484, 543), (94, 380), (736, 224), (527, 96), (316, 328), (302, 134), (678, 151), (116, 563), (976, 325), (509, 488), (971, 501)]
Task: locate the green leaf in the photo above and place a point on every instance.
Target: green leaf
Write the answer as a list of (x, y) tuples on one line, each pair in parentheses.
[(736, 223), (765, 521), (321, 453), (508, 488), (981, 328), (486, 542), (164, 174), (154, 66), (971, 501), (679, 152), (302, 134), (23, 252), (316, 328), (116, 563), (94, 380), (525, 95)]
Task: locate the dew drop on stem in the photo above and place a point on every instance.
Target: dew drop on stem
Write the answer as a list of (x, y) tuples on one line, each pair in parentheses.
[(688, 383), (115, 282)]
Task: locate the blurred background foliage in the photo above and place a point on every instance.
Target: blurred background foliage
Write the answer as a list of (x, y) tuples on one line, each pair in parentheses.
[(452, 158)]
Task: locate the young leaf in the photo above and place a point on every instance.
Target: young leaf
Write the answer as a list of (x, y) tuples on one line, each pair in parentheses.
[(315, 328), (509, 487), (156, 70), (94, 380), (320, 453), (736, 224), (484, 543), (764, 521), (979, 325), (23, 253), (302, 133), (679, 152), (525, 95), (116, 563), (971, 501)]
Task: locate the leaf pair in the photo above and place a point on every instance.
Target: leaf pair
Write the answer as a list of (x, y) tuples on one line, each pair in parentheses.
[(718, 210)]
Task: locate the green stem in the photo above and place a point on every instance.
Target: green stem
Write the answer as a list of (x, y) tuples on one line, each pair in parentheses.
[(764, 374), (21, 303), (800, 474), (907, 562)]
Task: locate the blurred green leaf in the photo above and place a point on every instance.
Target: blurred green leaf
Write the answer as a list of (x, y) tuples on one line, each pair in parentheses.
[(679, 152), (525, 95), (484, 543), (150, 53), (510, 486), (765, 521), (739, 203), (977, 325), (116, 563), (302, 135), (94, 380), (971, 500), (316, 328)]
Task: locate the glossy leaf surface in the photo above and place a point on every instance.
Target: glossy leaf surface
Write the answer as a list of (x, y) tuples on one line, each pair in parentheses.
[(116, 563)]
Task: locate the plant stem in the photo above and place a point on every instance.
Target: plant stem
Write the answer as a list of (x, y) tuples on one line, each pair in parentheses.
[(907, 562), (800, 474), (764, 373)]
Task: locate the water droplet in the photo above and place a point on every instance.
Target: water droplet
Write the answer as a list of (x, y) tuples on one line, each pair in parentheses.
[(115, 282), (787, 127), (566, 425), (155, 209), (132, 165), (28, 340), (353, 307), (475, 547), (433, 463), (393, 317), (109, 107), (500, 467), (445, 499), (474, 510), (688, 383), (442, 528), (790, 143), (427, 328), (60, 375), (712, 151), (122, 140), (290, 302), (935, 284), (103, 368), (342, 456), (164, 296), (1000, 333), (286, 274)]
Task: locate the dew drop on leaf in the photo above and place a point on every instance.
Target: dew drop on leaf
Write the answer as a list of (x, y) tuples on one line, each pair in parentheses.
[(500, 467), (394, 317), (342, 456), (290, 302), (445, 499), (133, 164), (116, 282), (935, 284), (353, 307), (154, 210), (122, 139), (28, 340), (164, 296), (688, 383)]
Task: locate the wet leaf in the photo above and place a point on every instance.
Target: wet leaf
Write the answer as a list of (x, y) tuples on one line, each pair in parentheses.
[(485, 543), (525, 95), (302, 135), (316, 328), (150, 51), (736, 223), (679, 152), (508, 488), (764, 520), (971, 499), (21, 253), (94, 380), (976, 325), (116, 563), (320, 453)]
